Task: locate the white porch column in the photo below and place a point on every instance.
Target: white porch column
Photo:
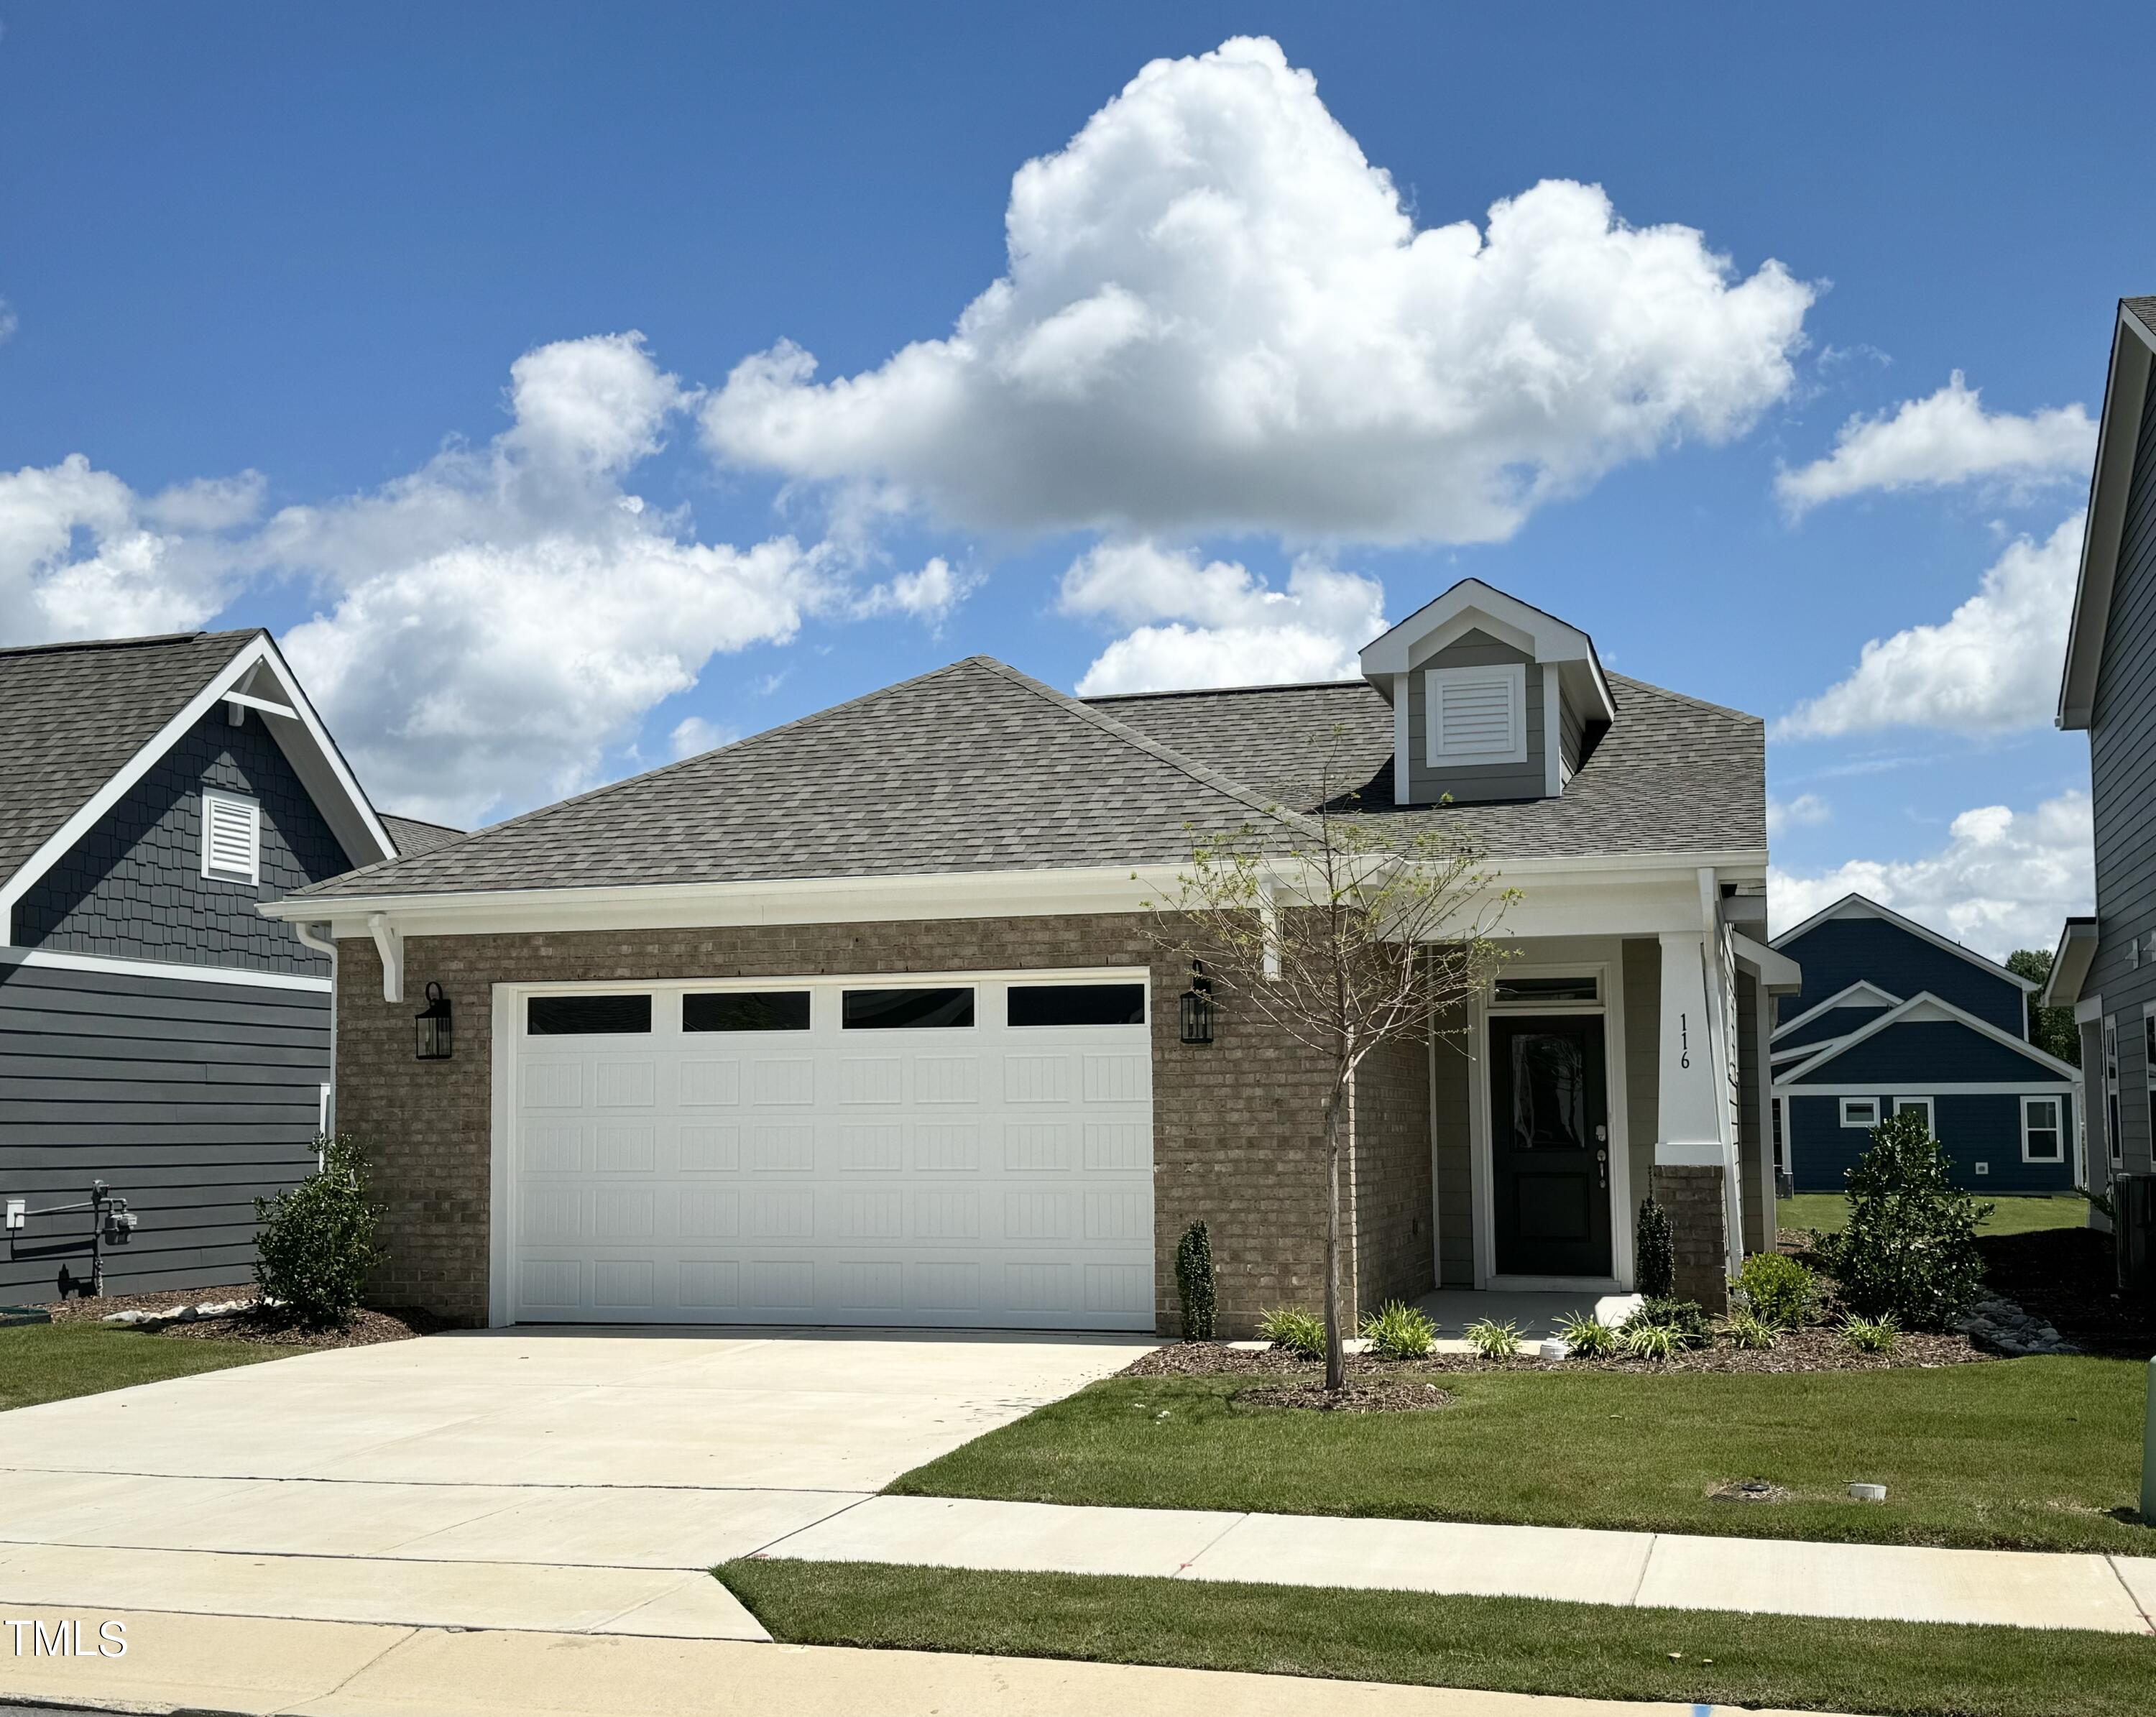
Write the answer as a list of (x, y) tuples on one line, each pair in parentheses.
[(1692, 1099)]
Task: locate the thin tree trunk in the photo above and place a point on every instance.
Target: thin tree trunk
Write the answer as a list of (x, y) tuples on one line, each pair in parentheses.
[(1336, 1351)]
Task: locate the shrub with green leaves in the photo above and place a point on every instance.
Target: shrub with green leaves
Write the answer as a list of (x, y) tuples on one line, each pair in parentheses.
[(1194, 1282), (1648, 1341), (1398, 1332), (315, 1242), (1872, 1335), (1748, 1329), (1300, 1332), (1493, 1340), (1586, 1335), (1908, 1251), (1655, 1250), (1781, 1290)]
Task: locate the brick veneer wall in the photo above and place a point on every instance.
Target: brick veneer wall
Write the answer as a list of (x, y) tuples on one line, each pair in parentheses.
[(1699, 1231), (1392, 1188), (1236, 1124)]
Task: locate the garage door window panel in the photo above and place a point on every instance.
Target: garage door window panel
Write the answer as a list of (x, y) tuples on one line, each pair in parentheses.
[(907, 1009), (587, 1015), (1040, 1005), (746, 1010)]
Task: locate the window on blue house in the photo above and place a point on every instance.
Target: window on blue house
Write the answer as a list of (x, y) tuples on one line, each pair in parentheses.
[(2043, 1138)]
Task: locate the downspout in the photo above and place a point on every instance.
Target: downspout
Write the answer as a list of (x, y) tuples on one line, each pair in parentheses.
[(322, 944)]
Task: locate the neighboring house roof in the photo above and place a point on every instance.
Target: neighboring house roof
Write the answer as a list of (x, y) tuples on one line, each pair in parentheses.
[(413, 835), (975, 767), (87, 720), (1944, 1029), (2125, 396), (77, 712), (1858, 906)]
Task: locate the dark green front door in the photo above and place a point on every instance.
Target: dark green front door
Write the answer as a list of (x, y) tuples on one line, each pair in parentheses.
[(1549, 1124)]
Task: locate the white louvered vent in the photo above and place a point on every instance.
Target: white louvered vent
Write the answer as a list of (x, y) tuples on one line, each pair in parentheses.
[(1478, 715), (231, 838)]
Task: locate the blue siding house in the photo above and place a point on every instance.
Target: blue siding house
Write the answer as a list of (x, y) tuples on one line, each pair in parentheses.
[(157, 1032), (1895, 1016)]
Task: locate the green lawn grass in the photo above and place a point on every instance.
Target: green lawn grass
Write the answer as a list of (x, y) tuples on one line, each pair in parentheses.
[(2032, 1454), (49, 1362), (2017, 1213), (1523, 1645)]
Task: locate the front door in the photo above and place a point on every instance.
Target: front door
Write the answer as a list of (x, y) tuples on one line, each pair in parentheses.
[(1549, 1115)]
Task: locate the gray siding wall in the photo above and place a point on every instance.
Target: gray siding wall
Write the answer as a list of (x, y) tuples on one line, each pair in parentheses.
[(188, 1097), (1482, 781), (133, 885), (1643, 1062), (1751, 1142), (1454, 1072), (2122, 777)]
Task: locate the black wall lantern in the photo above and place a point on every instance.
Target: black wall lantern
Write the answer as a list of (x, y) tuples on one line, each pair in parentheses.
[(433, 1021), (1198, 1007)]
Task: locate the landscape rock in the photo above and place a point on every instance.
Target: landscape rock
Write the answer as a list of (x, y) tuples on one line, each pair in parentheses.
[(2002, 1326)]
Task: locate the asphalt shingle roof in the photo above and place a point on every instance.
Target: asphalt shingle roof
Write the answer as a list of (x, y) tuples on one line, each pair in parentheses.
[(72, 714), (413, 836), (975, 767), (2144, 310)]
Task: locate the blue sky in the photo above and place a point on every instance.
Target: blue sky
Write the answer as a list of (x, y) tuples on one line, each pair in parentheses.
[(268, 270)]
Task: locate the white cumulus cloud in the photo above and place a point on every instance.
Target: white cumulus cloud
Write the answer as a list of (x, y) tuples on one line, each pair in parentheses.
[(1217, 623), (504, 616), (928, 594), (693, 735), (2004, 880), (1944, 439), (1806, 811), (82, 555), (1217, 313), (1992, 666)]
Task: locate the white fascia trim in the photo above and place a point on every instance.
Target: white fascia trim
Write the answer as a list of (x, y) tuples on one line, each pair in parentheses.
[(357, 816), (1553, 737), (1777, 972), (1858, 906), (1924, 998), (1403, 743), (2078, 941), (2088, 1011), (177, 970), (2119, 429), (1986, 1087), (1839, 999), (247, 700), (1796, 1052)]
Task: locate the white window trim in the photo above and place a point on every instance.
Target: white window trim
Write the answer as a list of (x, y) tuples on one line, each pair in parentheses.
[(1896, 1104), (252, 810), (1871, 1105), (2112, 1145), (2057, 1129), (1598, 974), (1512, 675)]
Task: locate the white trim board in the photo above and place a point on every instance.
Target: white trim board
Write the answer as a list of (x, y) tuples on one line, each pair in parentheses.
[(319, 766), (1857, 906), (177, 970), (1993, 1087), (1841, 998), (2118, 432), (1921, 1006)]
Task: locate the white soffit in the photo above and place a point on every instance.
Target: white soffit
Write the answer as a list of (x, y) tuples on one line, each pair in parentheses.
[(2125, 394)]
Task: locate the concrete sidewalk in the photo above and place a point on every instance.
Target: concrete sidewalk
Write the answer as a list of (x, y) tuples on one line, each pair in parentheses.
[(1867, 1583), (333, 1669)]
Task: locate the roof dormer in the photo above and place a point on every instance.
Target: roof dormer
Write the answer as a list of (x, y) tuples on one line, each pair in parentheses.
[(1491, 699)]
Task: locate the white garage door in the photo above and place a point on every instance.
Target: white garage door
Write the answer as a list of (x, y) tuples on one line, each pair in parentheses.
[(973, 1150)]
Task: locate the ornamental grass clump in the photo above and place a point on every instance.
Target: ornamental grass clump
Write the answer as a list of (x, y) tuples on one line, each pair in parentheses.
[(1398, 1332), (1195, 1284), (1685, 1320), (1909, 1250), (1300, 1332), (1648, 1341), (1493, 1340), (1586, 1336), (1872, 1335), (1750, 1331)]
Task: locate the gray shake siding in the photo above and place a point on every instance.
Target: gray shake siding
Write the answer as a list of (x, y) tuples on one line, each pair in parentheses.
[(189, 1097), (2122, 777), (133, 885)]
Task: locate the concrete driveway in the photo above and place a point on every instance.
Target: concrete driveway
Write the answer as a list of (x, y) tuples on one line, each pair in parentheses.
[(562, 1481)]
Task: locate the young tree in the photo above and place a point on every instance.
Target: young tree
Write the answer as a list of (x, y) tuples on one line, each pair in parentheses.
[(2051, 1030), (1345, 931)]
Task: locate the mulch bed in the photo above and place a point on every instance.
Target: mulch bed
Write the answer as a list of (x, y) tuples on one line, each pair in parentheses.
[(267, 1325), (2067, 1277), (1814, 1349)]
